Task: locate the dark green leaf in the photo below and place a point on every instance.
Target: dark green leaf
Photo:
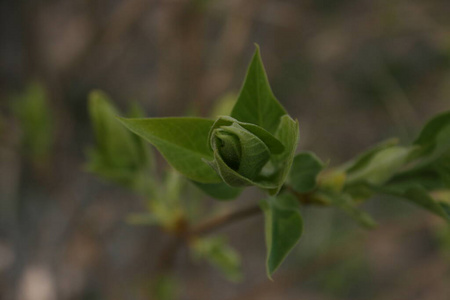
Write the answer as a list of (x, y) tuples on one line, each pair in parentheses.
[(256, 103), (283, 228), (182, 141), (274, 145), (431, 131), (303, 175), (434, 142)]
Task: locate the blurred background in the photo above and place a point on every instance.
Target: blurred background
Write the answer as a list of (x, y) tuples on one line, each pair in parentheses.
[(352, 72)]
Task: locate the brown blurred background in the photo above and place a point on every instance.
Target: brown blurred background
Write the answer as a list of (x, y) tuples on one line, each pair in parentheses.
[(352, 72)]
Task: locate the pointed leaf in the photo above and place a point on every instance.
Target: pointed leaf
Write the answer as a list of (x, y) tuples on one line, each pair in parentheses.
[(256, 103), (381, 166), (182, 142), (283, 228)]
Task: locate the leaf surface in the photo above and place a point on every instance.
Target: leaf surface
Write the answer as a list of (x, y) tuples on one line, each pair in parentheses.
[(256, 103), (182, 142), (283, 228)]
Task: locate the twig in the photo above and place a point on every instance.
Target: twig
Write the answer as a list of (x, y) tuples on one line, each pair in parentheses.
[(225, 219)]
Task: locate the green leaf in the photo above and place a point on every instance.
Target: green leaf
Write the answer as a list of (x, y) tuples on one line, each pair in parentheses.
[(274, 145), (283, 228), (224, 105), (115, 144), (288, 134), (381, 166), (430, 132), (362, 160), (304, 171), (218, 253), (256, 103), (434, 142), (220, 191), (182, 142), (241, 150), (119, 155)]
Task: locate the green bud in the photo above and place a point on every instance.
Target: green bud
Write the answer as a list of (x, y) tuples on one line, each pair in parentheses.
[(241, 150)]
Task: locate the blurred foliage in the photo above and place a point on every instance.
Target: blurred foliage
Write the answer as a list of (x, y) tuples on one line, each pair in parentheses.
[(119, 155), (218, 253), (32, 109)]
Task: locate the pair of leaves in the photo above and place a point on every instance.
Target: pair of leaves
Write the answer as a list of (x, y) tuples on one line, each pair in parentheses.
[(255, 146)]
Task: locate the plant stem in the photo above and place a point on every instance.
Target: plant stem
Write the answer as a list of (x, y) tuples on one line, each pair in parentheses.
[(225, 219)]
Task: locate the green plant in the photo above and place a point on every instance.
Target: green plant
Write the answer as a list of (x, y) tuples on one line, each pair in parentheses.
[(255, 146)]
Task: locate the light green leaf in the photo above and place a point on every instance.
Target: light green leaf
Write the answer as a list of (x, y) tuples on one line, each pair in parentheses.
[(115, 144), (224, 105), (220, 191), (283, 228), (288, 134), (364, 158), (119, 155), (220, 254), (256, 103), (381, 166), (304, 171), (182, 142)]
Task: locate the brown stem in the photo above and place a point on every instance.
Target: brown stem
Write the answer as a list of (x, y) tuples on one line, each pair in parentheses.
[(225, 219)]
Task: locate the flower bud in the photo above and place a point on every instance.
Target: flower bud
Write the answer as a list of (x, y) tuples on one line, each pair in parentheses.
[(241, 150)]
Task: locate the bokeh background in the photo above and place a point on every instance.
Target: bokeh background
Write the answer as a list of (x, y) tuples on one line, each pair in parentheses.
[(352, 72)]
